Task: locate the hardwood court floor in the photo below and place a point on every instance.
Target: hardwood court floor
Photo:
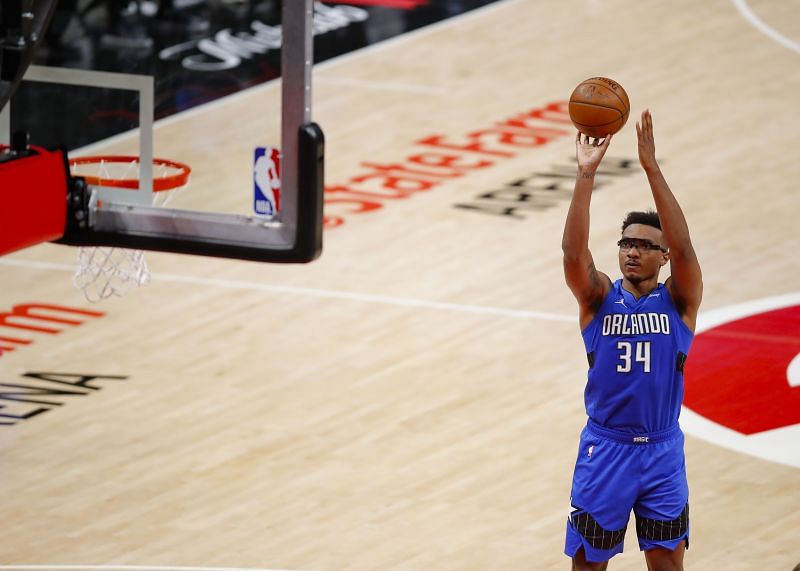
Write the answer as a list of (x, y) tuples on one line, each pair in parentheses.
[(413, 399)]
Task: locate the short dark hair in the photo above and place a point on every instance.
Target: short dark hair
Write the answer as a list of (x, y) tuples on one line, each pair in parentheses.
[(648, 218)]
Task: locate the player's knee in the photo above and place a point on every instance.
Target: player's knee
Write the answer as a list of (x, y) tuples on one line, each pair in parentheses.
[(664, 565), (586, 566), (579, 563), (662, 559)]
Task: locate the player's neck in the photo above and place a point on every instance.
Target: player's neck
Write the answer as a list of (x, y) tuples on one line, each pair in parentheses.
[(639, 289)]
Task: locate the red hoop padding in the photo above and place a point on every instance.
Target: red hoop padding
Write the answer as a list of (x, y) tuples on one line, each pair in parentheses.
[(33, 191), (173, 181)]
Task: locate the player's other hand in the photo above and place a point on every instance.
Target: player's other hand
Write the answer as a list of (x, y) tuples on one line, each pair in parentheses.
[(590, 151), (647, 143)]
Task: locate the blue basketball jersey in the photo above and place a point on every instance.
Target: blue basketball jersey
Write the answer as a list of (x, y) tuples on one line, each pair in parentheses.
[(636, 351)]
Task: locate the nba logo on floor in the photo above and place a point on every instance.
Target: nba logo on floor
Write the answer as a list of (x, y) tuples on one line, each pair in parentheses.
[(267, 181)]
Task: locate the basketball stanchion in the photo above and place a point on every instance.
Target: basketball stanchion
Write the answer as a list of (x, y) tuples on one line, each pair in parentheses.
[(104, 271)]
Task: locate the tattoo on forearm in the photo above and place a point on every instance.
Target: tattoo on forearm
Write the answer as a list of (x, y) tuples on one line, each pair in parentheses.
[(587, 175)]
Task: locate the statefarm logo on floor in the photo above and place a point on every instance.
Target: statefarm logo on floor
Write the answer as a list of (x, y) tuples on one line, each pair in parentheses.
[(742, 382), (438, 159)]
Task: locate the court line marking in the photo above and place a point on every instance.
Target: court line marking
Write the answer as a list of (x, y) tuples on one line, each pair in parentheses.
[(761, 26), (793, 372), (132, 568), (322, 293)]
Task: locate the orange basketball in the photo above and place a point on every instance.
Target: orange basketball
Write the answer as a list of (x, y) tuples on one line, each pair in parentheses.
[(599, 106)]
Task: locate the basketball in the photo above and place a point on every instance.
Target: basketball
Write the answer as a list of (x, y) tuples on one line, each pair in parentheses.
[(599, 106)]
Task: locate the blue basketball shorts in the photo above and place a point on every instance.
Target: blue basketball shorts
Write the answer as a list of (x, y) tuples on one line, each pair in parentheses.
[(617, 472)]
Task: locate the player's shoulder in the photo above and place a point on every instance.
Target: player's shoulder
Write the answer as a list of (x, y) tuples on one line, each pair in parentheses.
[(606, 289), (589, 312)]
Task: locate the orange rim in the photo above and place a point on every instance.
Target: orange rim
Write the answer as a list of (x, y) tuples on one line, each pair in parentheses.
[(161, 183)]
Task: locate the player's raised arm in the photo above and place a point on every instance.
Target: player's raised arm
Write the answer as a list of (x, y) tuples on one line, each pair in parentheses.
[(686, 282), (587, 284)]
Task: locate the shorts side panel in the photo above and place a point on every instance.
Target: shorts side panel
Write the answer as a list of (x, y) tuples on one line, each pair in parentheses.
[(574, 541), (664, 493), (604, 487)]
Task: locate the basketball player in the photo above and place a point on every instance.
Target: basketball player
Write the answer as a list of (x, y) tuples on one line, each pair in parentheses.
[(637, 333)]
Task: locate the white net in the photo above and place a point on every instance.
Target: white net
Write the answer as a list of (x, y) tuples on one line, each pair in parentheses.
[(103, 271)]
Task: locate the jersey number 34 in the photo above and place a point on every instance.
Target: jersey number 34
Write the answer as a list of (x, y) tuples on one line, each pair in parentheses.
[(641, 354)]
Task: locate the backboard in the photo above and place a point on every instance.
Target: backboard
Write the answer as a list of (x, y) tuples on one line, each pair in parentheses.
[(126, 218)]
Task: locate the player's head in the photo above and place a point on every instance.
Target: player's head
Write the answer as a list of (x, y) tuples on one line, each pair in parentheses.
[(642, 249)]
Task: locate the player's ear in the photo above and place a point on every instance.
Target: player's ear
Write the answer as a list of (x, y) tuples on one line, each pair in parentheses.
[(664, 259)]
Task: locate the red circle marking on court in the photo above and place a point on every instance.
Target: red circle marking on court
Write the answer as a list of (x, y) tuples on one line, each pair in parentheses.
[(736, 374)]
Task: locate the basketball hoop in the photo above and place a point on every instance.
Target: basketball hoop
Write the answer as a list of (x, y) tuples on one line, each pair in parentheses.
[(104, 271)]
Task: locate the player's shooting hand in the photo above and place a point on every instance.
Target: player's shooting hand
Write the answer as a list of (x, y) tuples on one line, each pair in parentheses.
[(590, 152), (647, 143)]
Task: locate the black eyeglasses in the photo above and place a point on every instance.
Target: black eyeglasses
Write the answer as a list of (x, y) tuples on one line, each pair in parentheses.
[(627, 243)]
